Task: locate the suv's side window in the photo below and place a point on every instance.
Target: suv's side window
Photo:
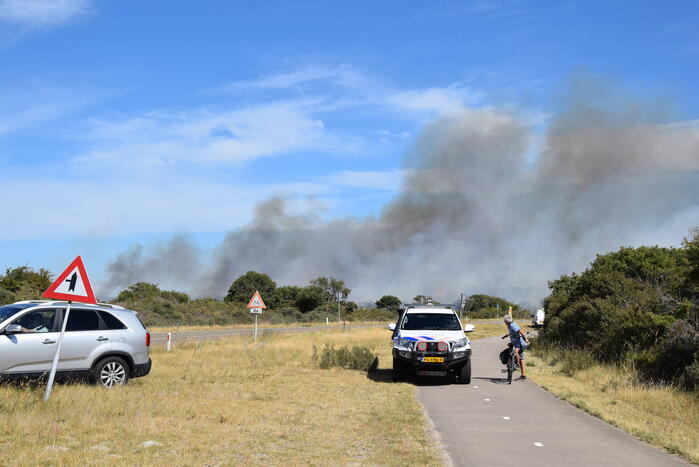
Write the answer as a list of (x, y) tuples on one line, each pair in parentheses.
[(111, 321), (83, 320), (37, 321)]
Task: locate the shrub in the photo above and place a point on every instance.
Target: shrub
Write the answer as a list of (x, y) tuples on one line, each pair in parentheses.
[(674, 357), (349, 358), (376, 314)]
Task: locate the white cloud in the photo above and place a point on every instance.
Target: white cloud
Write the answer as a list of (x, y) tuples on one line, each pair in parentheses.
[(117, 207), (341, 76), (36, 103), (434, 100), (207, 136), (41, 12), (164, 170)]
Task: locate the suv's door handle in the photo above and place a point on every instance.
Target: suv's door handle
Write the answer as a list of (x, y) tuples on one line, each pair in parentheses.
[(48, 341), (102, 339)]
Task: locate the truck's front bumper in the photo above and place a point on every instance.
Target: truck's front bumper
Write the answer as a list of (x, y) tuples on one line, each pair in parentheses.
[(415, 361)]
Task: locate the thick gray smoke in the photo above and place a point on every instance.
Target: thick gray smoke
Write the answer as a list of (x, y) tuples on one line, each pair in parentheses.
[(481, 211)]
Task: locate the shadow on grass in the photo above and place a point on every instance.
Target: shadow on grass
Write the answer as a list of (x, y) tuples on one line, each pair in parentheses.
[(34, 382)]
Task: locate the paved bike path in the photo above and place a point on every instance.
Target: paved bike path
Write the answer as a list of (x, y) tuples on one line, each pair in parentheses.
[(491, 423)]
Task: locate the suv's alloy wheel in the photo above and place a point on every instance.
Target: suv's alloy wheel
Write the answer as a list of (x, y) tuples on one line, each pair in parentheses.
[(111, 372)]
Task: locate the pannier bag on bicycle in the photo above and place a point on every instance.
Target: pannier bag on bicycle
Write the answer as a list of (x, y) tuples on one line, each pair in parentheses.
[(505, 356)]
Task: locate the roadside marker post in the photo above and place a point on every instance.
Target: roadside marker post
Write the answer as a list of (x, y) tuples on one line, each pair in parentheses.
[(256, 305), (169, 341), (73, 284)]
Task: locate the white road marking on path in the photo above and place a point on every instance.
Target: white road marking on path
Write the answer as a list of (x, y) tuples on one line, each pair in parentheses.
[(475, 387), (487, 400), (539, 445), (505, 418)]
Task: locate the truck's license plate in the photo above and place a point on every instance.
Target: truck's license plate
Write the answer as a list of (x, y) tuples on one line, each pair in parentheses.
[(433, 359)]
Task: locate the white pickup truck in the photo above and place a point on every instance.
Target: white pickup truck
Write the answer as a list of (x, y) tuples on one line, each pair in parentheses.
[(429, 340)]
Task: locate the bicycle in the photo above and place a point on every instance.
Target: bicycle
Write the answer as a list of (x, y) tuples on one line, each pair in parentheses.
[(511, 360)]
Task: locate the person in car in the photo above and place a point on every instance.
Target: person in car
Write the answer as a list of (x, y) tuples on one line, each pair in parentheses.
[(518, 339), (33, 322)]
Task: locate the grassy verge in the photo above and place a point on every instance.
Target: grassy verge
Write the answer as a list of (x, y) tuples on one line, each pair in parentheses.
[(482, 326), (661, 415), (227, 402), (260, 324)]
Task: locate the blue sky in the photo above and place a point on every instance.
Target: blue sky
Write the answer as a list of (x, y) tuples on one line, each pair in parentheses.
[(126, 122)]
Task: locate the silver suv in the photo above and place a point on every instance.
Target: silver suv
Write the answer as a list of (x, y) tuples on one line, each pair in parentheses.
[(105, 343)]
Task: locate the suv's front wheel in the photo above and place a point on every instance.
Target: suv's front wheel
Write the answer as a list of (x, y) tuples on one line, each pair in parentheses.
[(110, 372)]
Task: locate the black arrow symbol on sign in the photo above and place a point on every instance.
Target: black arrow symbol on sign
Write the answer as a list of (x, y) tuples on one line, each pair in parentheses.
[(73, 279)]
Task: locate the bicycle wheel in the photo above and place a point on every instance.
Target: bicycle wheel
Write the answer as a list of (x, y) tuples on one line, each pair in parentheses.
[(510, 368)]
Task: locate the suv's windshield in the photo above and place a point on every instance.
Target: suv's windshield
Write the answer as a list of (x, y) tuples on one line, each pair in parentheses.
[(431, 322), (9, 310)]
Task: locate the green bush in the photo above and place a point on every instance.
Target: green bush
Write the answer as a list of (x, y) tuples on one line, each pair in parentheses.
[(350, 358), (637, 304), (674, 358)]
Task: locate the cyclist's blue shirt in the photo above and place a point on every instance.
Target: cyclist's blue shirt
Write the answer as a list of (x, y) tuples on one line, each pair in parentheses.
[(515, 336)]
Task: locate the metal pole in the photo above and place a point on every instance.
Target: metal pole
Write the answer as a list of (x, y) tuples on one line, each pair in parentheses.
[(256, 328), (56, 357), (338, 296)]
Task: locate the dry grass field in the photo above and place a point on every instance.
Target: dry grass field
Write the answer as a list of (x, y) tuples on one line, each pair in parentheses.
[(661, 415), (227, 402)]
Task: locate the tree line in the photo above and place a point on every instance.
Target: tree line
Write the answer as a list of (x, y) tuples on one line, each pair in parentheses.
[(315, 302)]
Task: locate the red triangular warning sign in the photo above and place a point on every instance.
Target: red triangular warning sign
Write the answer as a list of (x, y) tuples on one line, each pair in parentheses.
[(256, 301), (73, 284)]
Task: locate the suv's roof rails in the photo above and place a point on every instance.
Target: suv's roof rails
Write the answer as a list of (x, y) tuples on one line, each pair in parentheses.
[(110, 305), (55, 302)]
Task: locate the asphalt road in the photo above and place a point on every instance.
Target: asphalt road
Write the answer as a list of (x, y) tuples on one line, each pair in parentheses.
[(180, 336), (491, 423)]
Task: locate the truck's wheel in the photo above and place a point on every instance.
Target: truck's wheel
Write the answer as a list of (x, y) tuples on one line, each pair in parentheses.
[(397, 371), (465, 373)]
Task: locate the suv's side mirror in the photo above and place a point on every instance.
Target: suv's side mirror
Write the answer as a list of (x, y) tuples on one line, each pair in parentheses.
[(469, 328), (392, 327), (13, 329)]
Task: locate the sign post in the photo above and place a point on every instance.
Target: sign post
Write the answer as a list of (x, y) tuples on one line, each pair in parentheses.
[(256, 305), (72, 284)]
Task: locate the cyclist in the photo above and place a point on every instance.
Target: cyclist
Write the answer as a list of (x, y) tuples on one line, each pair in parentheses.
[(518, 339)]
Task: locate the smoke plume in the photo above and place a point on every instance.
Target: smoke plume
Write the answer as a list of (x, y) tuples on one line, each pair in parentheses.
[(489, 204)]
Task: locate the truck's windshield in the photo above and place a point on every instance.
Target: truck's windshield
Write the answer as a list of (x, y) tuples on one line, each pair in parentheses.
[(430, 322)]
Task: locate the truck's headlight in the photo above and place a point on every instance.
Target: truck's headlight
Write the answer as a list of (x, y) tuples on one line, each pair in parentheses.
[(460, 345), (404, 344)]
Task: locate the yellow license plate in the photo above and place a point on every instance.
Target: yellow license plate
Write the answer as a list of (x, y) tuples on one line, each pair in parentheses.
[(433, 359)]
